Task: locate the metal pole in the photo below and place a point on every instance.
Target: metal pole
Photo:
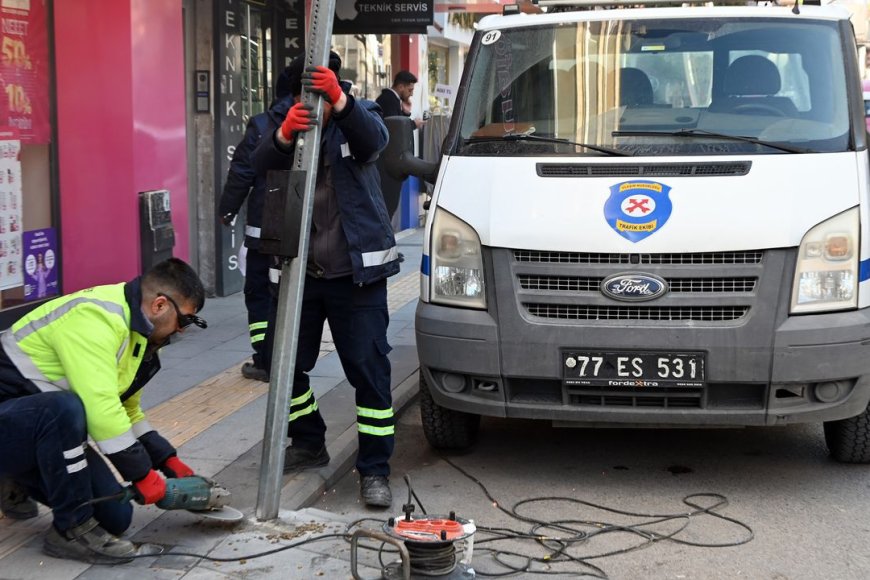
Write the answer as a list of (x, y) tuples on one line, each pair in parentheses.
[(307, 151)]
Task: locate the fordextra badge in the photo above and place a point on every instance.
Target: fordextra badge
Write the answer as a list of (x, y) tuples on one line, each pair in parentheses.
[(638, 208)]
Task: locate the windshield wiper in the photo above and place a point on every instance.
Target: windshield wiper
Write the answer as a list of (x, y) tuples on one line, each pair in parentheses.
[(703, 133), (527, 137)]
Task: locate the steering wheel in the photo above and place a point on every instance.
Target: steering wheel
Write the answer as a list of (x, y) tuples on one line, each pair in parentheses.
[(759, 108)]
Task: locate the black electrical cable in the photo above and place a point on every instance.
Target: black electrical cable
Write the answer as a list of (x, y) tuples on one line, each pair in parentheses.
[(558, 545), (569, 535), (412, 493)]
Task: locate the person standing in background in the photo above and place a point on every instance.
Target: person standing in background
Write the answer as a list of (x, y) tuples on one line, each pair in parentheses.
[(395, 101), (244, 183)]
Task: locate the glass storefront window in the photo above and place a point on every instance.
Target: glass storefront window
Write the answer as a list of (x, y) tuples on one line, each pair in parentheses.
[(29, 257), (437, 75), (256, 57)]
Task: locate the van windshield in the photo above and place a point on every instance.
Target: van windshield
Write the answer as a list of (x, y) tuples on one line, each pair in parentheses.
[(643, 86)]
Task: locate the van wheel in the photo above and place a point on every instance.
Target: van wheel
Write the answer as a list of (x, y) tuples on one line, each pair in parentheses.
[(446, 428), (849, 439)]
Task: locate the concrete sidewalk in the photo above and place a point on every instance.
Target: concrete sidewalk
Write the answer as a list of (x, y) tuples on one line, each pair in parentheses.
[(215, 417)]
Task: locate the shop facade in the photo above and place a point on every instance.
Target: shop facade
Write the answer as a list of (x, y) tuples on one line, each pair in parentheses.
[(92, 113)]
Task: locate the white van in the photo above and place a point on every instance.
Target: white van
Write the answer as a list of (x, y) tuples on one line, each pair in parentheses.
[(651, 217)]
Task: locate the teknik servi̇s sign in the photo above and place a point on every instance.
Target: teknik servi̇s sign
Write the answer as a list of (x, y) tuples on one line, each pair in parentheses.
[(382, 16)]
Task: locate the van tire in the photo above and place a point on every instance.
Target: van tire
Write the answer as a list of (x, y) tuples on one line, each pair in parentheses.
[(446, 428), (848, 440)]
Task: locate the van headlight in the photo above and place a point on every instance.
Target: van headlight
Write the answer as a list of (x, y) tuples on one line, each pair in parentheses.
[(456, 273), (826, 277)]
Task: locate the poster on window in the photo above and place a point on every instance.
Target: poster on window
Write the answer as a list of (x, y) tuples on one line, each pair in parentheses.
[(10, 211), (40, 259), (24, 69)]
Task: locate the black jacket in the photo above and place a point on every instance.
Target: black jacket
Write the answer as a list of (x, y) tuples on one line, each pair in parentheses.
[(390, 104), (242, 180)]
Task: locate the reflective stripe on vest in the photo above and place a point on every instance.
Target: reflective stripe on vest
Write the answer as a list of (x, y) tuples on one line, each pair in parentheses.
[(116, 444), (252, 232), (40, 323), (25, 365), (142, 427)]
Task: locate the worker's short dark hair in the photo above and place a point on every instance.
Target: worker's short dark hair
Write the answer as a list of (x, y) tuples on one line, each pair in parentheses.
[(294, 71), (404, 77), (176, 278)]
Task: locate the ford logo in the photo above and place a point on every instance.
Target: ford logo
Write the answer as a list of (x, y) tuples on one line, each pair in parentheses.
[(634, 287)]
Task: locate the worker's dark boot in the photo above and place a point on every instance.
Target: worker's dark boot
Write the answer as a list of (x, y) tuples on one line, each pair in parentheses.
[(375, 491), (299, 458), (88, 542), (249, 371), (15, 503)]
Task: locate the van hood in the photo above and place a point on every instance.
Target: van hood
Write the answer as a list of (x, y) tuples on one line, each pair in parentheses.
[(511, 205)]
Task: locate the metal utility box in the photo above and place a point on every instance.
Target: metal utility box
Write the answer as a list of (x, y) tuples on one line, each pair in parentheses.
[(157, 236)]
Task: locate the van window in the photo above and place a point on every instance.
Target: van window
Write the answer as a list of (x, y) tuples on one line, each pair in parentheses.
[(775, 80)]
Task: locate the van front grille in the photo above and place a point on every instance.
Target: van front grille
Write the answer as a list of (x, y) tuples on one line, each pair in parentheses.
[(589, 284), (631, 312), (538, 257)]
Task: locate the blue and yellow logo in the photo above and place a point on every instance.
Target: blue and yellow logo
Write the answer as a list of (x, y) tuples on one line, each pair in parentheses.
[(636, 209)]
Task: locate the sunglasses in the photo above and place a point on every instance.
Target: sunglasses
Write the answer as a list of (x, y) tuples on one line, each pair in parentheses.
[(185, 320)]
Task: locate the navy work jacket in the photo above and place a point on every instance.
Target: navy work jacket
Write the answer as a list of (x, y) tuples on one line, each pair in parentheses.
[(351, 143)]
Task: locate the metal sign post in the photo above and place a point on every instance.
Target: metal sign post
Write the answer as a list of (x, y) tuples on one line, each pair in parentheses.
[(307, 151)]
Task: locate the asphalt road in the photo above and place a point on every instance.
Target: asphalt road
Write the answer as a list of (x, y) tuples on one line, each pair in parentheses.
[(808, 514)]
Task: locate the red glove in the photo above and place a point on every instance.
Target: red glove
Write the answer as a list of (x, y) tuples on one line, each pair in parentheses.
[(319, 79), (151, 488), (174, 467), (300, 117)]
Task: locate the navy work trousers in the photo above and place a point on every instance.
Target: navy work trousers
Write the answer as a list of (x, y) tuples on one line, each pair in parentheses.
[(43, 449), (358, 319), (258, 302)]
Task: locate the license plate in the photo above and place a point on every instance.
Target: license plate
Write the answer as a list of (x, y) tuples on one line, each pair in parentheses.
[(632, 369)]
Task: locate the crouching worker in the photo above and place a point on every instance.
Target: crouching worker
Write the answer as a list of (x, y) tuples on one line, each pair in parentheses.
[(74, 367)]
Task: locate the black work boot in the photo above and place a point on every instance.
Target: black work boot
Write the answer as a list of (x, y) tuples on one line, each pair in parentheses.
[(249, 371), (15, 503), (299, 458), (88, 542), (375, 490)]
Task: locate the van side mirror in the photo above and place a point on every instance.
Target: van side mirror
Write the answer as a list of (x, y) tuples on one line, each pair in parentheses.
[(399, 159)]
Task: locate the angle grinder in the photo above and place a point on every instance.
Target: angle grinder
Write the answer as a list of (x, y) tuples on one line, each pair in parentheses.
[(196, 494)]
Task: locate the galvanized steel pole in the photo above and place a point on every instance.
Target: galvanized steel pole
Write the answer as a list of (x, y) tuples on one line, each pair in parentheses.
[(307, 152)]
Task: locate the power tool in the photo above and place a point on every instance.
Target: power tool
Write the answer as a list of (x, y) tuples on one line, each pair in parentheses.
[(197, 494)]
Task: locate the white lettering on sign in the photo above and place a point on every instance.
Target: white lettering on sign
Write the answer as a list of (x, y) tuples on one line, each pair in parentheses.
[(15, 27), (16, 4), (375, 7), (381, 8), (444, 91)]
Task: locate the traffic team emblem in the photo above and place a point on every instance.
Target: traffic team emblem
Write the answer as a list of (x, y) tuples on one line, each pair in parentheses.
[(636, 209)]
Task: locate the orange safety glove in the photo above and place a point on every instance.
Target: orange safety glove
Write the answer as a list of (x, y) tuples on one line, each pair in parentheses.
[(319, 79), (150, 488), (299, 118)]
